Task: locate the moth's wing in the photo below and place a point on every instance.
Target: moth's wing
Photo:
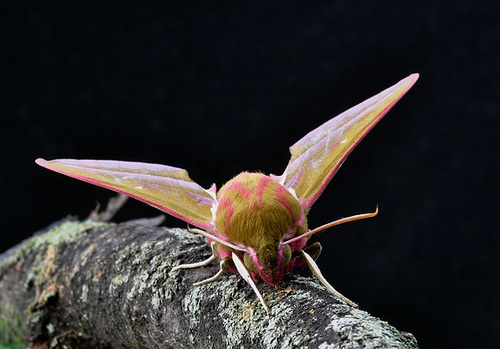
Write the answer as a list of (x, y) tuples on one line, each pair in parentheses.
[(167, 188), (319, 154)]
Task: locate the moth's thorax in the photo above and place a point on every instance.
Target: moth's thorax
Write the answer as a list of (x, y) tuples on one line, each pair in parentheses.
[(257, 212)]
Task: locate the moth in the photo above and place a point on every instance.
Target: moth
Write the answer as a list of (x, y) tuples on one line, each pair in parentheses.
[(256, 224)]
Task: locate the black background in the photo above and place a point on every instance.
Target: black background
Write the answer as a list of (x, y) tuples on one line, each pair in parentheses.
[(218, 88)]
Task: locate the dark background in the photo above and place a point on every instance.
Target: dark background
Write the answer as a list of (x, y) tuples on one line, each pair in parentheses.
[(222, 87)]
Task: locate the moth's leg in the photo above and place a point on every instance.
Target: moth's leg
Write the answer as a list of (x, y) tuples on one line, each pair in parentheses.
[(315, 270), (246, 276), (221, 271), (209, 260)]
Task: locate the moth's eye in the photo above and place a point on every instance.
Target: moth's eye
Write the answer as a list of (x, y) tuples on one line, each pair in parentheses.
[(287, 254), (248, 261)]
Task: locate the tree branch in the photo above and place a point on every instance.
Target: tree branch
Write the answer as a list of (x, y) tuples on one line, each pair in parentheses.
[(105, 285)]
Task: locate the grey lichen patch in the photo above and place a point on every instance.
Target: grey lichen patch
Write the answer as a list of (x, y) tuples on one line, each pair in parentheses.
[(116, 283), (359, 327), (157, 281), (195, 301), (154, 279), (243, 318), (255, 326), (50, 328), (84, 294), (139, 285), (186, 237), (245, 322)]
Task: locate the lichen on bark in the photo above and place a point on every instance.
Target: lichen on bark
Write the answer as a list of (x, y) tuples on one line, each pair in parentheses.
[(108, 285)]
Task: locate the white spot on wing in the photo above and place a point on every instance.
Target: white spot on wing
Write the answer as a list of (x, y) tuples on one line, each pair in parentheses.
[(214, 210), (292, 191)]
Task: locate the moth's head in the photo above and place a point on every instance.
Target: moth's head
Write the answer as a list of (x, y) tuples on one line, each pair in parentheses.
[(268, 263)]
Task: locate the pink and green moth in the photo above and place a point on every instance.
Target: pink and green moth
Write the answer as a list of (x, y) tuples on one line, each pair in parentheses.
[(256, 224)]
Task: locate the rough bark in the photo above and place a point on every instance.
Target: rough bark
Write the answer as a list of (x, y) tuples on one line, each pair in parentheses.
[(87, 284)]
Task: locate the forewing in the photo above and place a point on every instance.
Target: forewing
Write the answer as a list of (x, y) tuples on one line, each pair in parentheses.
[(319, 154), (167, 188)]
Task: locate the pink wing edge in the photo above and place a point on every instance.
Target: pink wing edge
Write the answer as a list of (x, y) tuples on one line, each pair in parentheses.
[(212, 190), (410, 80)]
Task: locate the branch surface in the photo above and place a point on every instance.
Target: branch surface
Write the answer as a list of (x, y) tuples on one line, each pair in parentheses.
[(111, 286)]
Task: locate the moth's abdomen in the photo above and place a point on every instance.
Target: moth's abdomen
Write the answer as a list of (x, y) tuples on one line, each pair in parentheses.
[(256, 211)]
